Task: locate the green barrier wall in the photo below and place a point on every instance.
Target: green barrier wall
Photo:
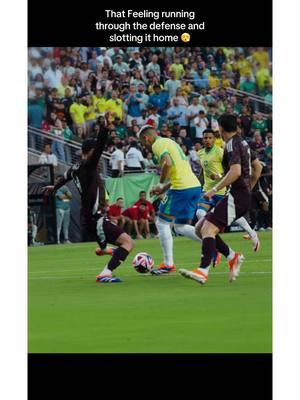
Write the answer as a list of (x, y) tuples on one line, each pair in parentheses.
[(129, 187)]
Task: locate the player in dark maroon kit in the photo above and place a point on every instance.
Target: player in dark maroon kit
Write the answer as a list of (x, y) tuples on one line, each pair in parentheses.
[(93, 205), (235, 204)]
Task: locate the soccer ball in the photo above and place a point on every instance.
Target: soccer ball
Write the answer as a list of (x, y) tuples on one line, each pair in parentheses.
[(143, 263)]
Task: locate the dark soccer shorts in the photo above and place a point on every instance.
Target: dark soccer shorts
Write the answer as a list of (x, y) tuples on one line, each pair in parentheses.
[(110, 231), (230, 208)]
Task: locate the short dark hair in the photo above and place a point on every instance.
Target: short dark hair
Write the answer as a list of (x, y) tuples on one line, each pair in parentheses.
[(228, 122), (142, 191), (119, 198), (143, 203), (208, 131), (119, 145)]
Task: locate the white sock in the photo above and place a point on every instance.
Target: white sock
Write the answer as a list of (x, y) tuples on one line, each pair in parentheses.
[(166, 240), (204, 270), (106, 271), (188, 231), (200, 213), (231, 254), (242, 222)]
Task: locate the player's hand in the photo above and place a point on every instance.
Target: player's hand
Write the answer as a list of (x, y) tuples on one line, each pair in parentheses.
[(156, 190), (48, 189), (209, 195)]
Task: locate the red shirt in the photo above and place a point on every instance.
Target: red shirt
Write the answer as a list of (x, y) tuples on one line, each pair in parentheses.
[(132, 213), (114, 211), (148, 211)]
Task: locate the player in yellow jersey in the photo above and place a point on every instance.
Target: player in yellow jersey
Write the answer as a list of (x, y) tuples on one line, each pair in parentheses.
[(211, 160), (182, 189)]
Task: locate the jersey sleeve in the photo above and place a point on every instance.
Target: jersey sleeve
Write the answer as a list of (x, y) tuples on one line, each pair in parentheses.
[(160, 149), (100, 145)]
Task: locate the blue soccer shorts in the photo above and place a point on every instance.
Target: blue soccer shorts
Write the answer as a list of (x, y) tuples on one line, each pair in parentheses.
[(180, 203)]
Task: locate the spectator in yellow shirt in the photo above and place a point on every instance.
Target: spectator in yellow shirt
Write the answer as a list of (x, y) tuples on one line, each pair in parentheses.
[(261, 57), (90, 115), (212, 79), (178, 68), (115, 106), (224, 81), (77, 112), (243, 65), (262, 75), (99, 102)]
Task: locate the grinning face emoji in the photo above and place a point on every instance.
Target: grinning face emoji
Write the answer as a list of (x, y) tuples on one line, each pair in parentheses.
[(185, 37)]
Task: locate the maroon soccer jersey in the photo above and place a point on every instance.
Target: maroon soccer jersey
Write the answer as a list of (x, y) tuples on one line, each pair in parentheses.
[(88, 182), (237, 151)]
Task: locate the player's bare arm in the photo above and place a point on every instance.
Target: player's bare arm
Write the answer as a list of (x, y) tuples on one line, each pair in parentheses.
[(256, 172), (232, 175), (166, 164)]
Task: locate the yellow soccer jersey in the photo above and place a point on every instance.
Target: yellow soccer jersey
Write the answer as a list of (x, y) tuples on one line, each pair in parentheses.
[(180, 174), (211, 163)]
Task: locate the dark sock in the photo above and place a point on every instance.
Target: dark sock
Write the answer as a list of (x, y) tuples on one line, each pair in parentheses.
[(208, 250), (222, 246), (119, 255)]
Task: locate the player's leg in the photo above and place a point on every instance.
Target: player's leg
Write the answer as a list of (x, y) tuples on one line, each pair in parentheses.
[(184, 207), (163, 226), (66, 224), (114, 235), (222, 215), (208, 235), (243, 223), (147, 229), (142, 226), (59, 220)]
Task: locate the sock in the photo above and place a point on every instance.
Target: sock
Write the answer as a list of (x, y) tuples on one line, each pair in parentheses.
[(208, 250), (243, 223), (222, 246), (166, 241), (119, 255), (188, 231), (200, 213)]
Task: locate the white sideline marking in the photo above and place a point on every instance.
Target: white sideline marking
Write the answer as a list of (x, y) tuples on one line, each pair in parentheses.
[(93, 269)]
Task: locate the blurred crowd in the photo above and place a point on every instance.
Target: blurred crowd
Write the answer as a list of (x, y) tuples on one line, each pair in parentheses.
[(179, 91)]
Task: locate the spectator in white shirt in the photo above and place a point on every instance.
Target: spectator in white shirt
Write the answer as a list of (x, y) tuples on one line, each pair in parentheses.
[(154, 66), (134, 158), (103, 56), (34, 69), (47, 157), (117, 161), (193, 111), (172, 85), (201, 123), (53, 76)]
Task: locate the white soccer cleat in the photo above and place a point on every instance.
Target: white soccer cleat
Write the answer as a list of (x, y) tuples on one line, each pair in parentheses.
[(235, 266), (254, 240), (195, 274)]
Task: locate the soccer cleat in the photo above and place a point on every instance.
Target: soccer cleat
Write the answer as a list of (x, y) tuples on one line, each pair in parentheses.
[(195, 274), (216, 259), (107, 279), (163, 269), (107, 252), (254, 240), (234, 266)]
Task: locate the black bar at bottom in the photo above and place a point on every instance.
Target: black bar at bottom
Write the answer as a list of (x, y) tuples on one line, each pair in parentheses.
[(233, 376)]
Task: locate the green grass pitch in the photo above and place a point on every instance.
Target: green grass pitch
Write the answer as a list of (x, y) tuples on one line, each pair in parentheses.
[(70, 313)]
